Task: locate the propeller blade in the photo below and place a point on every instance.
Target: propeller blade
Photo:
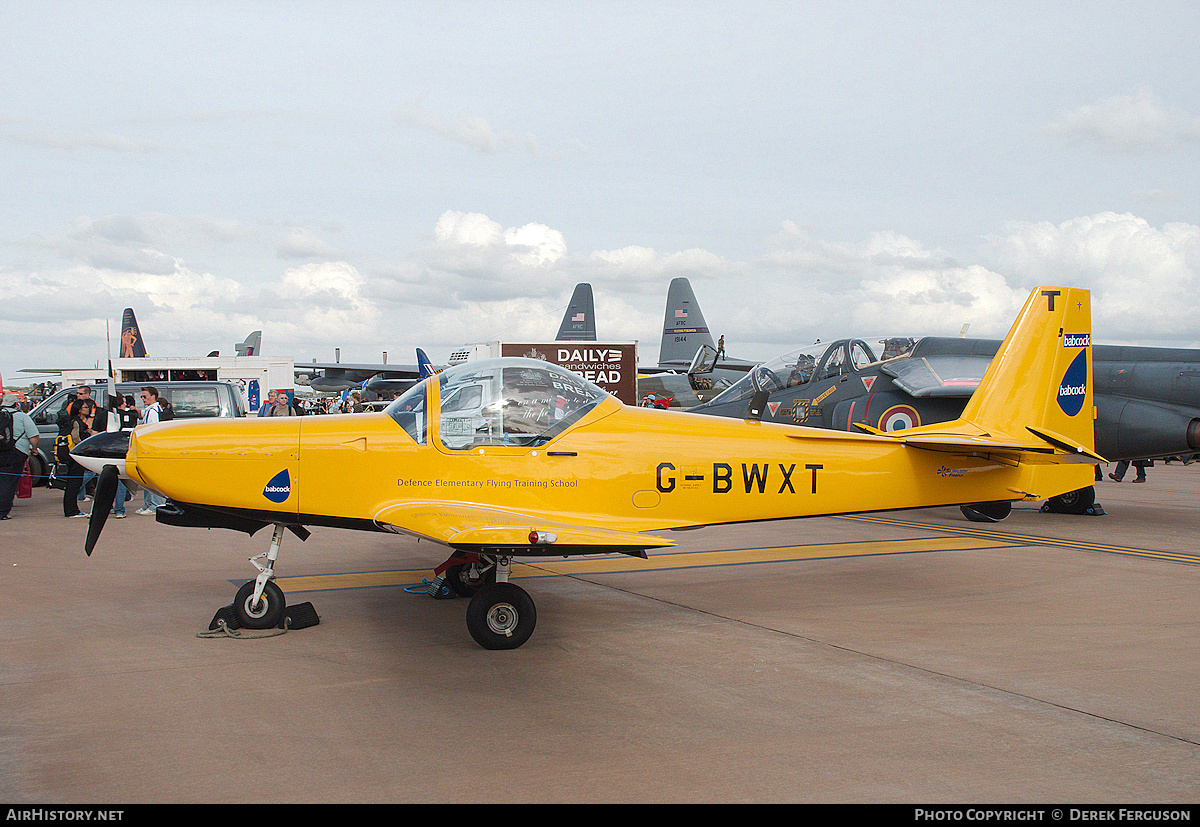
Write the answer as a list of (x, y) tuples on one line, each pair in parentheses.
[(106, 493)]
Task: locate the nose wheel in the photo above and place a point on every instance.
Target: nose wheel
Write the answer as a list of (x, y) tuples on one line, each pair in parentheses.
[(263, 613)]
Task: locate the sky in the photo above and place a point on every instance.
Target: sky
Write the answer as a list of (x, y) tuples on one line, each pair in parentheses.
[(380, 176)]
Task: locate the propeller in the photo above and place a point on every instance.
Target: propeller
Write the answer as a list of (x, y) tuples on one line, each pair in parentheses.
[(106, 493)]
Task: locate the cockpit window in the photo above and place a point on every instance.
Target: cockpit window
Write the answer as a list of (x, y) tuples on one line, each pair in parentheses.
[(815, 363), (790, 370), (519, 402), (860, 354), (409, 412)]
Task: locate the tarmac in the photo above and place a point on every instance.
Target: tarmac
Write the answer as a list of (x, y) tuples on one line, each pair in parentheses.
[(903, 657)]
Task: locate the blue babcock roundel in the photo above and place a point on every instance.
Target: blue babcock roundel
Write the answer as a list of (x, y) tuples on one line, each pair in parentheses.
[(1073, 388), (279, 488)]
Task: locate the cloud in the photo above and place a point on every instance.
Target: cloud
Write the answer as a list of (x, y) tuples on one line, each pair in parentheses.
[(48, 139), (1144, 279), (474, 131), (297, 243), (1131, 124), (476, 280)]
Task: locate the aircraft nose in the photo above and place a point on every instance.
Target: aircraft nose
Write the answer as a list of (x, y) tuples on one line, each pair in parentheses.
[(108, 448)]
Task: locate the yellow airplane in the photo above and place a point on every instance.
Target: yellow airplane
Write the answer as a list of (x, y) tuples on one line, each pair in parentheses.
[(510, 458)]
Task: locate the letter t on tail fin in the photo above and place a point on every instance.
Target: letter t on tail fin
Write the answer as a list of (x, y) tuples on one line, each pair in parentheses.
[(1041, 378)]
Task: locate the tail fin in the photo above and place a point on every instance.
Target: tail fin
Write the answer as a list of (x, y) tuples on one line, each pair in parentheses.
[(1041, 378), (684, 330), (250, 346), (1036, 396), (424, 366), (579, 322), (131, 337)]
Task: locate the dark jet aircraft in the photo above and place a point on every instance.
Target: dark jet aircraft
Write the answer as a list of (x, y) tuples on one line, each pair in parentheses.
[(1147, 399)]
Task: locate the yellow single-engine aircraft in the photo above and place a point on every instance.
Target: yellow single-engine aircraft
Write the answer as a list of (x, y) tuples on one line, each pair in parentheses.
[(508, 458)]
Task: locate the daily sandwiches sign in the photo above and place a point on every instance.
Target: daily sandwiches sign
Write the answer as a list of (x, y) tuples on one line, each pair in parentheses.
[(611, 365)]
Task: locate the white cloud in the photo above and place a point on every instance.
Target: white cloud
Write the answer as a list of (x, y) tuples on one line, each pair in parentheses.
[(478, 280), (1132, 124), (1144, 279), (49, 139), (473, 131)]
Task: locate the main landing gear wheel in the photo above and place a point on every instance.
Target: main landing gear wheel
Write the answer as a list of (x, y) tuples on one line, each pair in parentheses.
[(1073, 502), (501, 616), (265, 614)]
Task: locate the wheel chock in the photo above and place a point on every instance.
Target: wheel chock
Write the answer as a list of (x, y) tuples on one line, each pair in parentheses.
[(225, 615), (299, 616)]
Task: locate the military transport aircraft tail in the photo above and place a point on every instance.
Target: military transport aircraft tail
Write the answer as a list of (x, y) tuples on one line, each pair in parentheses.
[(684, 329), (579, 322), (1036, 396)]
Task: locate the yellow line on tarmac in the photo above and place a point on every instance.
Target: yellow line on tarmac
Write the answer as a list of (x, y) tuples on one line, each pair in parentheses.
[(1029, 539), (608, 564)]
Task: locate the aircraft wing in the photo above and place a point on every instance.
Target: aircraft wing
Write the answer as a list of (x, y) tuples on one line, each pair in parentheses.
[(469, 527), (946, 375)]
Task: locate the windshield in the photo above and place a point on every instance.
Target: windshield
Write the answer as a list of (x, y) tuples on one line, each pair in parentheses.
[(499, 402), (409, 412)]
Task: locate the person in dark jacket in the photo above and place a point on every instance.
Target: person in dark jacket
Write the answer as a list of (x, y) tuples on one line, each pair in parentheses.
[(80, 413)]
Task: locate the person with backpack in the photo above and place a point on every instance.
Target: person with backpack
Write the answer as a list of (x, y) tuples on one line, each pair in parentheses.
[(151, 413), (18, 439)]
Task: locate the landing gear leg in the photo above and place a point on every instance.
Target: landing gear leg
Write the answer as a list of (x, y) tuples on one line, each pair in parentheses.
[(260, 603), (501, 615)]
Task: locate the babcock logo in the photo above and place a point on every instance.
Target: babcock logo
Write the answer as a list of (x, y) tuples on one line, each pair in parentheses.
[(280, 487), (1073, 388), (1077, 339)]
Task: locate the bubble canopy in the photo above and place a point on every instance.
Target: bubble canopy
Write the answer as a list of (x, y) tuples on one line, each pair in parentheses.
[(511, 401)]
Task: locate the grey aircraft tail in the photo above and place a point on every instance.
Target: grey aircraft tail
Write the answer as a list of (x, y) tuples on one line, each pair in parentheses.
[(684, 329), (579, 322), (250, 346)]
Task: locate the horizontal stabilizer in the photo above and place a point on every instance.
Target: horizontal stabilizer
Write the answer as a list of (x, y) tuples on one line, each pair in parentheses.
[(1059, 441)]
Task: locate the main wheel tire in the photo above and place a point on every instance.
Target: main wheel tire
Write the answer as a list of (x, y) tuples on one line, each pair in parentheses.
[(501, 616), (466, 582), (265, 615), (1073, 502)]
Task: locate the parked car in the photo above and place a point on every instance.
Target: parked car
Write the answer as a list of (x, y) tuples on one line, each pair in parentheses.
[(189, 400)]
